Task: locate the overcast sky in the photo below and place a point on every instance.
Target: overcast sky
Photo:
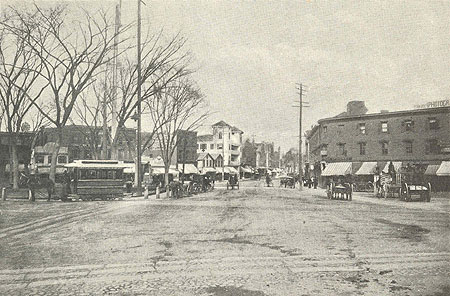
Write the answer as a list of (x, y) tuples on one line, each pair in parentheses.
[(250, 55)]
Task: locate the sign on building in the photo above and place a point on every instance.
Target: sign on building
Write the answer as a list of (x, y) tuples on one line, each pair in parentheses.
[(435, 104)]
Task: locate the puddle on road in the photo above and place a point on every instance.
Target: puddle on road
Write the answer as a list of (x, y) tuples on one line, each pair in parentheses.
[(232, 291), (406, 231)]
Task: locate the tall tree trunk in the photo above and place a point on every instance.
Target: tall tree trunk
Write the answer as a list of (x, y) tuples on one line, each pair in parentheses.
[(55, 154), (15, 162), (166, 178)]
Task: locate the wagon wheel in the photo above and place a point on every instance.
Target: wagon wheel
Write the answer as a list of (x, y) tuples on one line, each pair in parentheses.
[(407, 193)]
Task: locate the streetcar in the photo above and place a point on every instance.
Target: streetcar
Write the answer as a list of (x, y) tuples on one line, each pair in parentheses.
[(96, 179)]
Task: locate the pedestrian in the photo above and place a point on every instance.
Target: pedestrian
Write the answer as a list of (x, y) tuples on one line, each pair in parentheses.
[(32, 185), (50, 188), (316, 182)]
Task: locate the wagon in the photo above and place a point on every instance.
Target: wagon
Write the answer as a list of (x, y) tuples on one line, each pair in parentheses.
[(344, 191), (233, 182), (287, 181), (422, 191)]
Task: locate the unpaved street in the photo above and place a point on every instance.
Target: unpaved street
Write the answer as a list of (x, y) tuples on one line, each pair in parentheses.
[(252, 241)]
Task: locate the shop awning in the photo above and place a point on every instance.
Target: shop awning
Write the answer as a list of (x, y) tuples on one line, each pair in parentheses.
[(397, 166), (208, 170), (432, 169), (444, 169), (189, 168), (367, 168), (161, 171), (246, 170), (337, 169), (230, 170)]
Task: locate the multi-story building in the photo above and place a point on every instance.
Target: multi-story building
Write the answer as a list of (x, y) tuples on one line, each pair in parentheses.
[(24, 143), (225, 140), (410, 136)]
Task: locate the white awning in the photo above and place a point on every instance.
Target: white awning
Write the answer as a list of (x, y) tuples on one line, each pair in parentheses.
[(397, 166), (444, 169), (338, 169), (432, 169), (230, 170), (367, 168), (189, 168), (161, 171), (209, 170), (246, 170)]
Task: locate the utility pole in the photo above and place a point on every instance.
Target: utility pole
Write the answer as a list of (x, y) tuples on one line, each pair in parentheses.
[(139, 82), (301, 92), (114, 76)]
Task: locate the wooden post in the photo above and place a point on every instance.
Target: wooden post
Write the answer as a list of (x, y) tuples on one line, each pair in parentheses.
[(157, 192), (3, 193), (146, 192)]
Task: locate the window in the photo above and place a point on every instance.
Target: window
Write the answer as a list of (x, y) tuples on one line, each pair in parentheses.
[(219, 146), (384, 148), (39, 158), (408, 147), (49, 159), (203, 147), (362, 148), (433, 123), (362, 128), (325, 129), (229, 146), (341, 147), (62, 159), (408, 124), (432, 147), (211, 146), (384, 127), (220, 135)]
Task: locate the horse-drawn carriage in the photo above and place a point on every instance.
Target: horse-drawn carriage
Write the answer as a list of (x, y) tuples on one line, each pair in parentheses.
[(407, 184), (287, 181), (340, 191), (233, 182)]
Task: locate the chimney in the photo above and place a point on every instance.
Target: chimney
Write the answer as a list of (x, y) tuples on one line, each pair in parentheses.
[(356, 108)]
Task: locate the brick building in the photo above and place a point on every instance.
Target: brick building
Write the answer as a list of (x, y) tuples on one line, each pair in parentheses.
[(410, 136)]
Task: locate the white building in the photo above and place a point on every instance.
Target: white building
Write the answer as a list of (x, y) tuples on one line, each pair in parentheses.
[(225, 140)]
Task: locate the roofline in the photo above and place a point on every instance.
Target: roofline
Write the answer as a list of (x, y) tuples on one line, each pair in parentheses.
[(386, 114)]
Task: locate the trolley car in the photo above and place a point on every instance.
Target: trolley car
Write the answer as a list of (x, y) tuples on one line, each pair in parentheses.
[(97, 179)]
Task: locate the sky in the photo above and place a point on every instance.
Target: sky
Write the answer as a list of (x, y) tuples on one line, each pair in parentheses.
[(249, 56)]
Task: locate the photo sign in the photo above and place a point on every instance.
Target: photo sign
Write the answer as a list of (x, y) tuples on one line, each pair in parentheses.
[(435, 104)]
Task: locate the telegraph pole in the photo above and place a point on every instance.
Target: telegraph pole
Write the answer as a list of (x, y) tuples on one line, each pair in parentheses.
[(301, 92), (139, 82)]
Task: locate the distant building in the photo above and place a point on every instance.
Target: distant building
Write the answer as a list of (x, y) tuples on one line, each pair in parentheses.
[(23, 148), (260, 155), (225, 140)]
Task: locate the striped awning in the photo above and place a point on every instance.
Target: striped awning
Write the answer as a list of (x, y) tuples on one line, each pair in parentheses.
[(367, 168), (397, 166), (432, 169), (444, 169), (338, 169), (189, 168)]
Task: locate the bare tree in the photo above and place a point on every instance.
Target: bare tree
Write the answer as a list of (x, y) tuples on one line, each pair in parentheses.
[(178, 106), (162, 62), (72, 55), (19, 70)]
